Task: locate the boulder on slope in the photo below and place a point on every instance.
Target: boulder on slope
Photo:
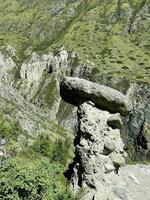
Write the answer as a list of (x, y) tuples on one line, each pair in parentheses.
[(76, 91)]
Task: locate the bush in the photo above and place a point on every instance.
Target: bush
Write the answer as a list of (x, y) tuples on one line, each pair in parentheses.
[(42, 145), (61, 152), (23, 179), (57, 152), (35, 172), (9, 129)]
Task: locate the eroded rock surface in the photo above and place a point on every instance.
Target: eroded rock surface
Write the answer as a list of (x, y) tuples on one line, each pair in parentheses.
[(99, 154), (76, 91), (6, 65), (33, 70)]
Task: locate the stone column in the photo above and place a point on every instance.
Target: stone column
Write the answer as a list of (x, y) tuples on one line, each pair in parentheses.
[(99, 152), (99, 148)]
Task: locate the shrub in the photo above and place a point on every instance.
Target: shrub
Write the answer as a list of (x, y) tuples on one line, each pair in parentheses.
[(56, 152), (61, 152), (9, 129), (42, 145), (23, 179)]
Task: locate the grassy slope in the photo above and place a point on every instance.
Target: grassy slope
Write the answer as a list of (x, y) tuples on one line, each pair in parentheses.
[(33, 23), (102, 36), (113, 35), (33, 163)]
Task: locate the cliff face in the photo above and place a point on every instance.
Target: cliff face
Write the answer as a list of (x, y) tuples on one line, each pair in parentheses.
[(108, 40)]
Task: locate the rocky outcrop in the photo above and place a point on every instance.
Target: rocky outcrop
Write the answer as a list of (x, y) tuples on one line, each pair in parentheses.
[(99, 164), (83, 70), (76, 91), (99, 153), (6, 66), (99, 149), (115, 121), (32, 89), (139, 121), (34, 71)]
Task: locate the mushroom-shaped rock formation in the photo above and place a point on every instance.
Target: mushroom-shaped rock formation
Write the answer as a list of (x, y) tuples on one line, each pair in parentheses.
[(76, 91)]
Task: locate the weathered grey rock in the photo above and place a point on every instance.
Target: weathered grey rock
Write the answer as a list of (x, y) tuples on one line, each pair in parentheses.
[(74, 54), (2, 141), (138, 125), (10, 51), (109, 145), (118, 161), (109, 168), (99, 153), (77, 91), (133, 178), (121, 192), (84, 70), (34, 69), (6, 66), (133, 182)]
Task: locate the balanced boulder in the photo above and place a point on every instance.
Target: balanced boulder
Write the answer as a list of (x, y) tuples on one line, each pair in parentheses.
[(76, 91)]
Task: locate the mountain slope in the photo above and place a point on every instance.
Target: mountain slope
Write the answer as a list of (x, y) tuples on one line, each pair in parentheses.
[(41, 41), (113, 35)]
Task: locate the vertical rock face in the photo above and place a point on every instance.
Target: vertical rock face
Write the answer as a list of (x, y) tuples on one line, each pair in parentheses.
[(32, 72), (136, 129), (6, 65), (99, 152)]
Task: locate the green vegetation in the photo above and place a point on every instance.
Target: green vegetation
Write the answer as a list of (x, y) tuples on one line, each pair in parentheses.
[(113, 35), (64, 110), (23, 179), (35, 24), (34, 169), (9, 129), (105, 36), (58, 150)]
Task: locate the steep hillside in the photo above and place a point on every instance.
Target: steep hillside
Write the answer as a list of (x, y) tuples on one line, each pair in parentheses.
[(35, 24), (41, 42), (113, 35)]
